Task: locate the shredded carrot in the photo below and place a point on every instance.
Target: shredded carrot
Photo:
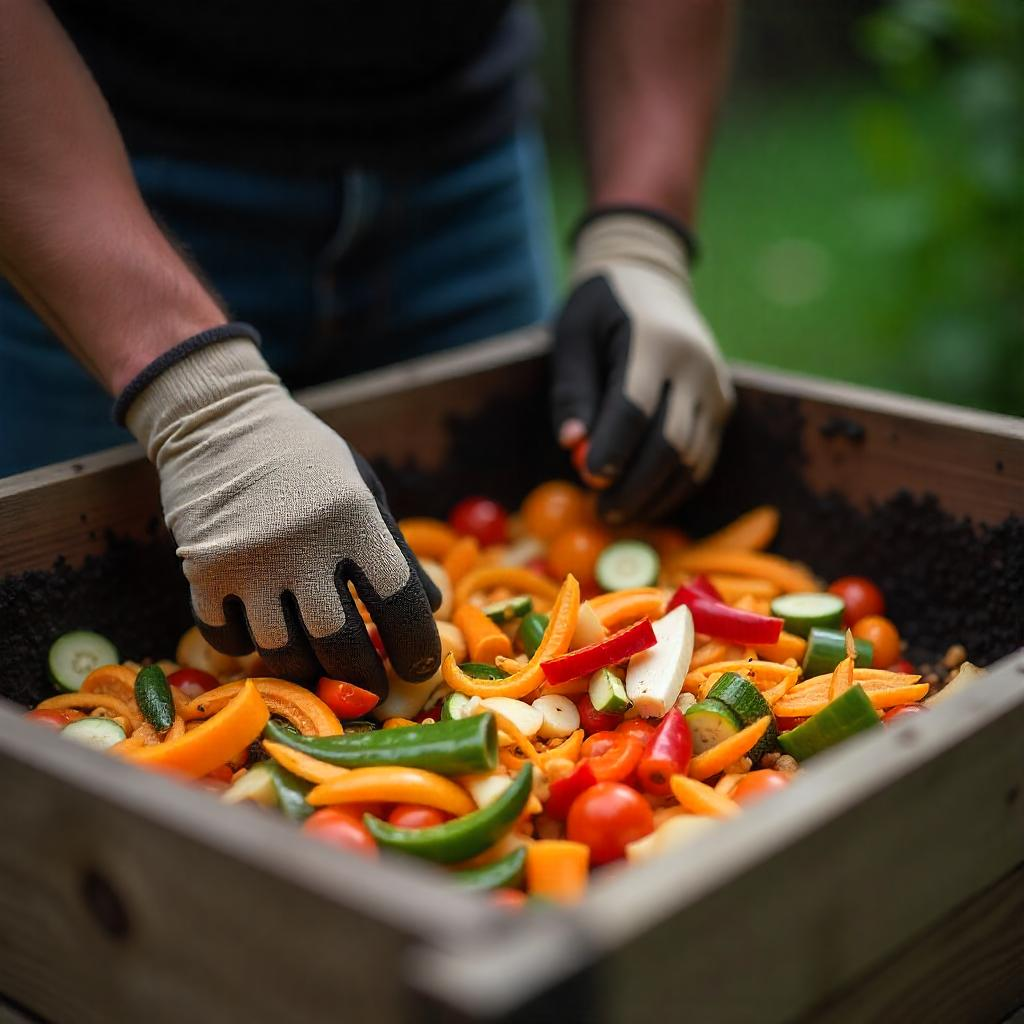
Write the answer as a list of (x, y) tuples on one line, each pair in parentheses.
[(518, 737), (461, 558), (777, 692), (517, 579), (842, 675), (721, 755), (752, 531), (785, 574), (484, 638), (698, 798), (428, 538), (557, 869), (707, 654), (568, 749)]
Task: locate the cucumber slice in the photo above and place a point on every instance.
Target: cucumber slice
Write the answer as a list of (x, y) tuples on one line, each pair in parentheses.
[(747, 703), (608, 692), (479, 670), (710, 721), (802, 612), (850, 713), (509, 609), (455, 706), (256, 785), (626, 564), (153, 695), (827, 647), (531, 631), (98, 733), (74, 655)]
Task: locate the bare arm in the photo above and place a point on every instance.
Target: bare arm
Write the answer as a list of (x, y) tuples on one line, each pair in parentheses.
[(650, 77), (75, 236)]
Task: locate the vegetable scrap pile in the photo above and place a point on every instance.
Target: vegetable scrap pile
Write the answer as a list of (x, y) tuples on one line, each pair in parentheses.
[(602, 695)]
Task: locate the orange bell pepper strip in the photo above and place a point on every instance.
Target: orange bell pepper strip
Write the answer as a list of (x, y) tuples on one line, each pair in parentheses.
[(428, 538), (760, 673), (393, 785), (621, 607), (557, 869), (777, 692), (461, 558), (113, 680), (484, 638), (698, 798), (885, 690), (787, 575), (789, 645), (305, 710), (128, 710), (302, 765), (752, 531), (213, 742), (517, 579), (721, 755), (555, 642)]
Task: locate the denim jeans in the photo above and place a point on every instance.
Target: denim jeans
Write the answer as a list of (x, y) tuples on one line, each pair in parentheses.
[(338, 274)]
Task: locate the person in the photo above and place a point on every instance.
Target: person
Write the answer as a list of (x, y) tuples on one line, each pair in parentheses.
[(364, 182)]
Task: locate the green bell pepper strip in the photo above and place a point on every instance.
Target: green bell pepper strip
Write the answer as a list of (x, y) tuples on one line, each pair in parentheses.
[(481, 670), (462, 747), (500, 875), (460, 838), (531, 631), (153, 695), (291, 793), (851, 712)]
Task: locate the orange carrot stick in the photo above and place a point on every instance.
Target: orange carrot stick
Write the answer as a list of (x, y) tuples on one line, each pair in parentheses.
[(484, 638), (721, 755), (752, 531), (557, 869), (785, 574), (698, 798)]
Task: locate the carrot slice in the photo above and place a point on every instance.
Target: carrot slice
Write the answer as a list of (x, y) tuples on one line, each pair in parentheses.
[(557, 869), (721, 755), (785, 574), (309, 768), (698, 798), (484, 638)]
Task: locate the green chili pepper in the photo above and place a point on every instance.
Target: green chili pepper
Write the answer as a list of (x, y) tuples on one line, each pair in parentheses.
[(501, 874), (531, 631), (462, 837), (153, 695), (461, 747), (291, 793), (480, 670)]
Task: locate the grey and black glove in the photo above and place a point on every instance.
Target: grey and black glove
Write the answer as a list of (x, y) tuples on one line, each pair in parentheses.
[(636, 368), (274, 516)]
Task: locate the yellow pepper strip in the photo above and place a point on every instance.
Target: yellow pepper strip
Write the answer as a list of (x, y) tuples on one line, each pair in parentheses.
[(517, 579), (398, 723), (462, 558), (557, 869), (393, 784), (789, 645), (698, 798), (752, 531), (885, 689), (721, 755), (212, 743), (733, 588), (113, 680), (568, 749), (306, 767), (622, 607), (79, 701), (305, 710), (777, 692), (428, 538), (554, 643), (783, 573)]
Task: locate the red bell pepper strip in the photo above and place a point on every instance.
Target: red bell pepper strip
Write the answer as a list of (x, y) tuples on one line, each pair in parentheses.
[(610, 651), (725, 623), (564, 791), (612, 755), (702, 585), (668, 753)]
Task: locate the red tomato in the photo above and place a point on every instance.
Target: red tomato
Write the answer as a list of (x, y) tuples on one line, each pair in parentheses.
[(510, 899), (339, 828), (575, 551), (344, 699), (902, 711), (606, 818), (481, 518), (193, 682), (860, 596), (755, 785), (417, 816), (883, 635), (579, 460), (903, 666), (592, 720), (613, 756), (553, 507), (784, 724), (55, 718)]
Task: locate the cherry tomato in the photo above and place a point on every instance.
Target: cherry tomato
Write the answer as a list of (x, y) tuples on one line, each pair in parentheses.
[(481, 518), (510, 899), (613, 756), (755, 785), (902, 711), (579, 460), (637, 727), (539, 566), (344, 699), (592, 720), (417, 816), (903, 666), (784, 724), (552, 508), (55, 718), (339, 828), (575, 551), (883, 635), (860, 596), (606, 818), (193, 682)]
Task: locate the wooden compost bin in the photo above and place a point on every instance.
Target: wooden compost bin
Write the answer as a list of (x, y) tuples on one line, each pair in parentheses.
[(885, 884)]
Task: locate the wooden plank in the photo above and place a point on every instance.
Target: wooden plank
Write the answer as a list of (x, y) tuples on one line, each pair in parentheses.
[(969, 966)]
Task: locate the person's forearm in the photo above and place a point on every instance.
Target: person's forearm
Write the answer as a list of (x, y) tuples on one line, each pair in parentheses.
[(650, 76), (75, 236)]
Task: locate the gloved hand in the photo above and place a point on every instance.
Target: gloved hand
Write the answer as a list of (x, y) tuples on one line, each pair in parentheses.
[(636, 368), (274, 515)]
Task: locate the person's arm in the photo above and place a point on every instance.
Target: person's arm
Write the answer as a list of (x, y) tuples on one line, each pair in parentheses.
[(651, 74), (76, 239)]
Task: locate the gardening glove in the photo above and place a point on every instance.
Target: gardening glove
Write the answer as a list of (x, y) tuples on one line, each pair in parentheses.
[(274, 516), (636, 369)]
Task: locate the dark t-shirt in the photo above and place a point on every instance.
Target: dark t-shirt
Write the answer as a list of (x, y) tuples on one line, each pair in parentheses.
[(309, 86)]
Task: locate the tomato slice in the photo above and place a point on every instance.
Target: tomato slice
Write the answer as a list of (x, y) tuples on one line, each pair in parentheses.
[(613, 756), (193, 682), (344, 699)]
